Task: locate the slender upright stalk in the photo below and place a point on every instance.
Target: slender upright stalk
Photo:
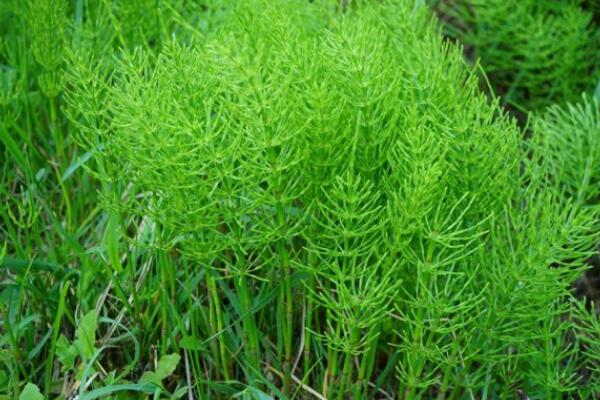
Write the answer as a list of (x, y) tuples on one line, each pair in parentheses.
[(347, 368), (213, 329), (218, 330), (249, 324), (286, 298)]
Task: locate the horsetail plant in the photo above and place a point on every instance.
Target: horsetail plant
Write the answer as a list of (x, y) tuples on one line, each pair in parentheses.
[(357, 211), (569, 137), (518, 47), (47, 21)]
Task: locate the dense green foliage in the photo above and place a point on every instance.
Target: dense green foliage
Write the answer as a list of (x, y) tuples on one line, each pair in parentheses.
[(289, 199), (535, 52), (569, 138)]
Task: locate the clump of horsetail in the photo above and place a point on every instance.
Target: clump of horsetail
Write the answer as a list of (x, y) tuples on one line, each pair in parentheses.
[(535, 53), (357, 205)]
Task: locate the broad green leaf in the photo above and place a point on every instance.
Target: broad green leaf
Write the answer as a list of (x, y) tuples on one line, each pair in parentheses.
[(166, 366), (20, 265), (31, 392), (180, 393), (192, 343), (85, 335), (8, 82), (66, 353)]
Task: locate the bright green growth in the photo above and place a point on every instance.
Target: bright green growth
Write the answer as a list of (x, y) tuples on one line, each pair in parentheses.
[(83, 346), (569, 137), (47, 24), (535, 52), (165, 367), (355, 203), (351, 211), (52, 226), (31, 392)]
